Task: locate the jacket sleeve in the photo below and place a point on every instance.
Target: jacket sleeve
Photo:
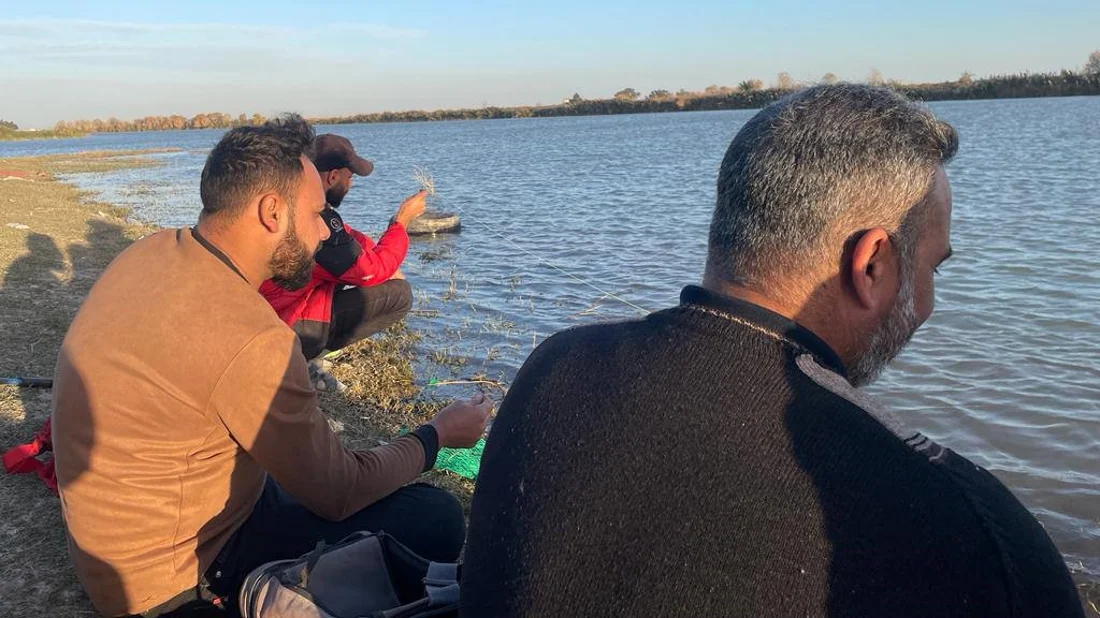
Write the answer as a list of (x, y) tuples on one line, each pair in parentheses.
[(265, 401), (361, 262)]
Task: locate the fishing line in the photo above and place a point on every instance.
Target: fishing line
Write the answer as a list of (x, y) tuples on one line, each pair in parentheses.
[(550, 264)]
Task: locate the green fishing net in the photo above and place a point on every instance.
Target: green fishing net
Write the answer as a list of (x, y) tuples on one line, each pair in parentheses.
[(462, 461)]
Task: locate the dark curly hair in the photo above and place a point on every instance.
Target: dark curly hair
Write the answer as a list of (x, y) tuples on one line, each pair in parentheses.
[(252, 160)]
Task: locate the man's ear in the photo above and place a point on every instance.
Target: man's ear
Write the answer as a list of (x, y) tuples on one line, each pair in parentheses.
[(270, 214), (873, 270)]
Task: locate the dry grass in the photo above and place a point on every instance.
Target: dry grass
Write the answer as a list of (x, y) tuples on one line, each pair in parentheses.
[(59, 244), (7, 135), (424, 179), (383, 400), (1090, 596), (50, 256), (49, 266), (92, 161), (38, 579)]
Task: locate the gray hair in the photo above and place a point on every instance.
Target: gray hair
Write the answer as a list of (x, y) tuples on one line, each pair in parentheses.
[(810, 170)]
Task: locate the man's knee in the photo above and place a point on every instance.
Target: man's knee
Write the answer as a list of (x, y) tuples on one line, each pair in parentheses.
[(312, 335), (442, 526), (402, 295)]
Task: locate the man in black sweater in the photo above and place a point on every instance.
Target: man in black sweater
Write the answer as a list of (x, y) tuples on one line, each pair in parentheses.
[(717, 459)]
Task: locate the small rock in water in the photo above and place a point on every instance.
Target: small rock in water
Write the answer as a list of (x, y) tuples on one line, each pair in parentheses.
[(434, 222), (19, 226)]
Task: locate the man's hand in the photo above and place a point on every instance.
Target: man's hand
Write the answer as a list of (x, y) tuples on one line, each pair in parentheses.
[(411, 208), (460, 424)]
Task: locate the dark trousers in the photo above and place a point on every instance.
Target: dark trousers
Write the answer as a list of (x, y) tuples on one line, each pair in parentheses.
[(357, 313), (426, 519)]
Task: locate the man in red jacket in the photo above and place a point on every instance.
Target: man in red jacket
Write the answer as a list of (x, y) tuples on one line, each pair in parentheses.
[(357, 288)]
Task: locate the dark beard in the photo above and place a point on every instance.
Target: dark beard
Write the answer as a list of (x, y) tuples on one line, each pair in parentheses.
[(292, 264), (334, 196)]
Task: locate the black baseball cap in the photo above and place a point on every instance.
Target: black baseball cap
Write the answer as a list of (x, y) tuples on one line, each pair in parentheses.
[(331, 152)]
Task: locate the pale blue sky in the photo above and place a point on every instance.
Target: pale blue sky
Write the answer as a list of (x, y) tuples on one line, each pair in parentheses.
[(75, 59)]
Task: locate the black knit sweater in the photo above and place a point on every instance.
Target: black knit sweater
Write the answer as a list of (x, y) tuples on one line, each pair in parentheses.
[(712, 460)]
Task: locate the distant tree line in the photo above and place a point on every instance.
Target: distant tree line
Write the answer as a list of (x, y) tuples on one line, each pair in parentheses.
[(1027, 85), (214, 120), (1092, 67), (749, 94), (10, 131)]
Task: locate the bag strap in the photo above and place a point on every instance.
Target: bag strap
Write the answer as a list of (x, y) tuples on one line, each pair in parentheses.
[(311, 562), (441, 589), (441, 583), (441, 574)]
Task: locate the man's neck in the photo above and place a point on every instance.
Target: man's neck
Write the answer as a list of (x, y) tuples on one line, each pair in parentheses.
[(750, 295), (827, 328), (253, 270)]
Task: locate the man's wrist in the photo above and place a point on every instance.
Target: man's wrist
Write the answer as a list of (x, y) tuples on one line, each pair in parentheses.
[(429, 439)]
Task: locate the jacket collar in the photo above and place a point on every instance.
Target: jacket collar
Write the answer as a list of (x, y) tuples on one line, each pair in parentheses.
[(209, 246), (696, 297)]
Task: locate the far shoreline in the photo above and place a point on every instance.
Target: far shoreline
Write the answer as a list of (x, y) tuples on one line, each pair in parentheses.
[(35, 135), (328, 122), (748, 95)]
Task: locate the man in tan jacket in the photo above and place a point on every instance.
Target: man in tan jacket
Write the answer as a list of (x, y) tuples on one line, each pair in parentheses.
[(189, 445)]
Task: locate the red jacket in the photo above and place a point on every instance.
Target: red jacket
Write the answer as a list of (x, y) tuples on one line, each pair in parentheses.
[(348, 257)]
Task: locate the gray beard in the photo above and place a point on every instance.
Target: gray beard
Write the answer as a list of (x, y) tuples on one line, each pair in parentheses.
[(891, 337)]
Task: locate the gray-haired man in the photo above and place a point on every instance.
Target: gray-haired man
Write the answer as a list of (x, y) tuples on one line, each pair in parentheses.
[(716, 458)]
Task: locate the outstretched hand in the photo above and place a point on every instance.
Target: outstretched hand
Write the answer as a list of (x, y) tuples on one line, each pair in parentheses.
[(411, 208), (462, 423)]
